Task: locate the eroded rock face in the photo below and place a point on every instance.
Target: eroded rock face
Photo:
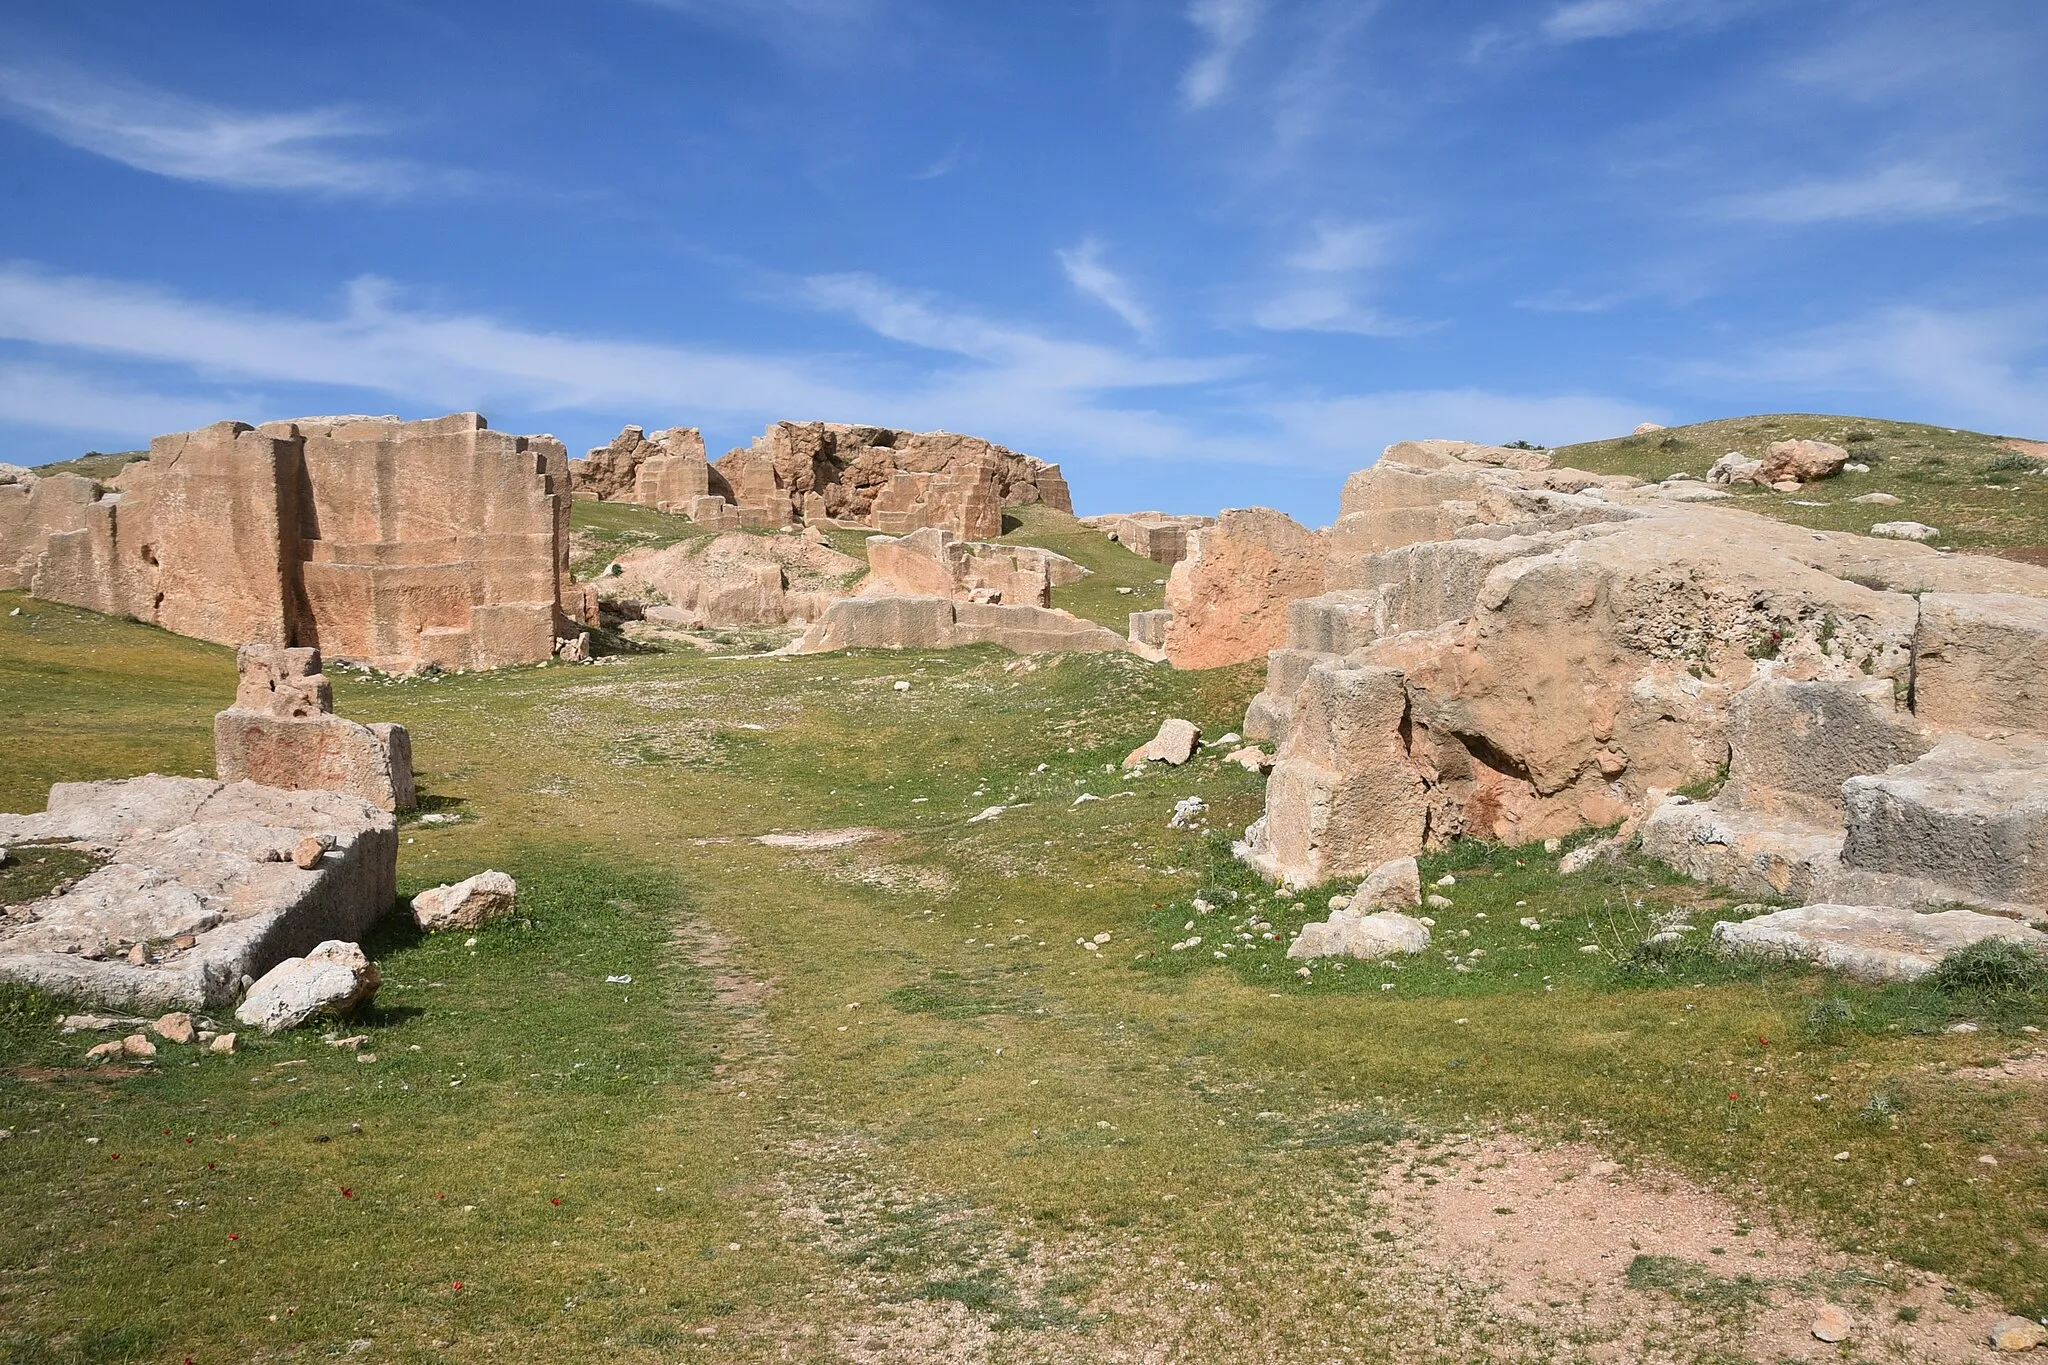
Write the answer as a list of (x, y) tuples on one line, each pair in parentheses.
[(1230, 595), (32, 510), (332, 979), (199, 874), (281, 732), (665, 469), (1569, 649), (1969, 814), (400, 544)]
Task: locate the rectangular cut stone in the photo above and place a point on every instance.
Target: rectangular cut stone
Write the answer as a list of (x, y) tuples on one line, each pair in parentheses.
[(1981, 662), (1969, 814)]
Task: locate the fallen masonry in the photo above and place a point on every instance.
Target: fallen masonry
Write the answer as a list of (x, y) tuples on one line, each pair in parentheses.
[(1876, 944), (196, 893)]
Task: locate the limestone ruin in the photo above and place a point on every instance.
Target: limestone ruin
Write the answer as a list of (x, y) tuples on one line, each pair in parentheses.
[(1161, 537), (825, 473), (398, 544)]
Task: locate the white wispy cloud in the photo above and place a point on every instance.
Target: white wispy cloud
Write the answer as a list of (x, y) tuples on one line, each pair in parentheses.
[(1906, 190), (1226, 26), (1581, 20), (81, 342), (813, 31), (1087, 272), (167, 134), (1324, 284)]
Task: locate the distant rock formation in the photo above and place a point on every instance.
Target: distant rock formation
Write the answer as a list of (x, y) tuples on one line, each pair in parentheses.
[(825, 473), (1161, 537), (398, 544)]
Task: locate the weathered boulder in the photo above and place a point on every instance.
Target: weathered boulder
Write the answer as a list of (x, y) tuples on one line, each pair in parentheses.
[(1230, 595), (1870, 943), (1735, 467), (1968, 814), (176, 1027), (1800, 462), (1394, 883), (467, 904), (281, 732), (198, 875), (1905, 530), (1174, 744), (330, 980), (1349, 933)]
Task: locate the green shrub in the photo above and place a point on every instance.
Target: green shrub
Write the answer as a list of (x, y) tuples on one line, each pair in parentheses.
[(1992, 966)]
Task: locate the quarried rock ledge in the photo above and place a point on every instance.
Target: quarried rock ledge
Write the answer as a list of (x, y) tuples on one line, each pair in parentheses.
[(199, 892)]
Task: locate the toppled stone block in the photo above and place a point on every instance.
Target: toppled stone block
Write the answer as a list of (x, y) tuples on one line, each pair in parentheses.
[(1968, 814), (1148, 634), (1174, 744), (1350, 933), (1981, 662), (1870, 943), (1161, 537), (935, 563), (199, 875), (281, 732), (1750, 852), (467, 904), (330, 980)]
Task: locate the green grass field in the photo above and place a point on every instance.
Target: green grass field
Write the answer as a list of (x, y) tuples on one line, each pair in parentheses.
[(875, 1102), (1979, 491)]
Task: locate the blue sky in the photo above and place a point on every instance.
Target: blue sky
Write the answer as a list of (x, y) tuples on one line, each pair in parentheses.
[(1202, 252)]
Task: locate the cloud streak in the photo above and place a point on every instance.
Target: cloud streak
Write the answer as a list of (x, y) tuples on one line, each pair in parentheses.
[(1087, 272), (1896, 193), (1226, 26), (185, 139)]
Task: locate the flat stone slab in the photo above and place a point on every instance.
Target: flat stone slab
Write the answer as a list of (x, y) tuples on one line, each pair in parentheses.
[(200, 874), (1870, 943)]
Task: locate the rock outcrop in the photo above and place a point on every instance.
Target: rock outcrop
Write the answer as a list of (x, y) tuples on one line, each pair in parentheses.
[(198, 893), (1230, 595), (820, 473), (400, 544), (1514, 654), (282, 732)]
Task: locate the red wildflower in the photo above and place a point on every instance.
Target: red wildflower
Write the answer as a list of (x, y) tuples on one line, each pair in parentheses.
[(554, 1201), (234, 1237), (117, 1156), (458, 1284), (347, 1193), (1731, 1095)]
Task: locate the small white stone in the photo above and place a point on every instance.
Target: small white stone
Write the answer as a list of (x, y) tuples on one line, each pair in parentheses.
[(902, 685)]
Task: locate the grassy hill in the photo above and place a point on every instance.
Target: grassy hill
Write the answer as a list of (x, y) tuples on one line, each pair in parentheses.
[(1983, 492)]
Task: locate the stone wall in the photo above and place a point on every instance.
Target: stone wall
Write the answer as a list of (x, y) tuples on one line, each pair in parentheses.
[(399, 544)]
